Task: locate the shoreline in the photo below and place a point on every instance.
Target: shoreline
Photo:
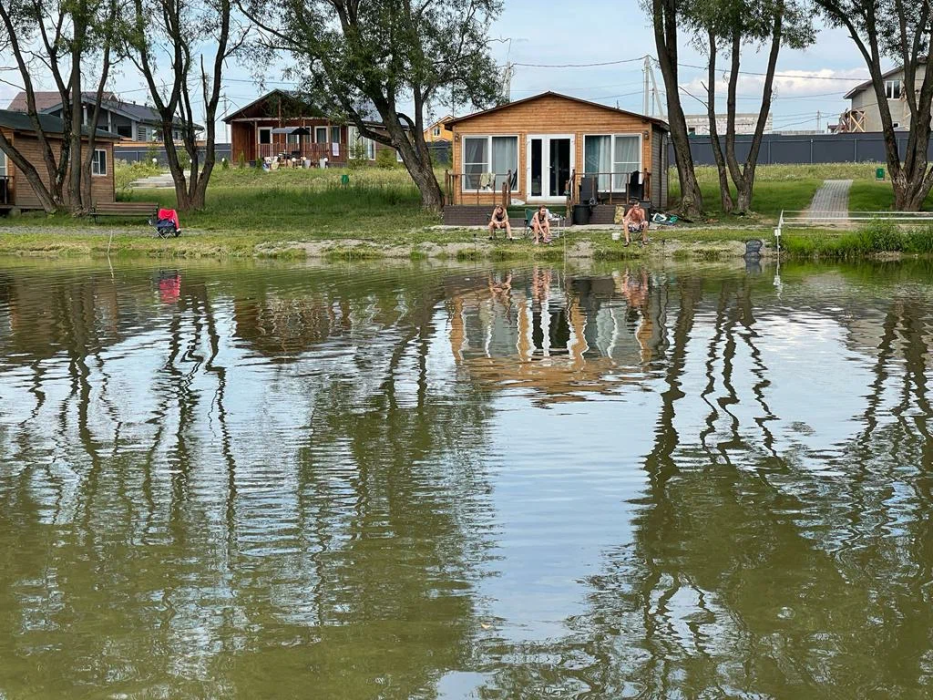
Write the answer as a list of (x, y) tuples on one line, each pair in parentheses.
[(434, 243)]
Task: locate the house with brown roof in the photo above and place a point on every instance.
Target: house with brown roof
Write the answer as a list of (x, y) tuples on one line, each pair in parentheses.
[(439, 131), (555, 149), (281, 124), (15, 190)]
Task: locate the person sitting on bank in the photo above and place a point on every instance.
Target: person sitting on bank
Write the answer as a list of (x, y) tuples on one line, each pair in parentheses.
[(499, 220), (541, 225), (635, 221)]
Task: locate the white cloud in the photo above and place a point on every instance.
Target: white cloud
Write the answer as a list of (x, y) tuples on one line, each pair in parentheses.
[(787, 84)]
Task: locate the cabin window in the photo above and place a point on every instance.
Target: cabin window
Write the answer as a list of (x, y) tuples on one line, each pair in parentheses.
[(892, 88), (618, 154), (437, 131), (320, 134), (293, 139), (335, 134), (99, 164), (265, 135), (2, 164), (355, 139), (487, 162)]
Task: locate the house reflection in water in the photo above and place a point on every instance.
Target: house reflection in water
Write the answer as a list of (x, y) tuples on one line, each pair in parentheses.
[(558, 334)]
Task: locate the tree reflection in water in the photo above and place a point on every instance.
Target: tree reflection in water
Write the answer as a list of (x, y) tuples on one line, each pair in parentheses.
[(219, 481)]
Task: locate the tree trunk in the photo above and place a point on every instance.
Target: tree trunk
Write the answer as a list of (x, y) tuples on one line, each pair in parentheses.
[(77, 121), (665, 36), (725, 194)]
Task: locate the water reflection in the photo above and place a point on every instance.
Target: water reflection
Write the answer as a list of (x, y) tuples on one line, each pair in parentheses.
[(666, 482)]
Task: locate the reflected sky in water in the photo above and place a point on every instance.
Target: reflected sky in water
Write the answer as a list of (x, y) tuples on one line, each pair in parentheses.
[(448, 481)]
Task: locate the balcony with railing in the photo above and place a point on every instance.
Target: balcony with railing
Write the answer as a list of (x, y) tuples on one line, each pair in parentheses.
[(304, 150)]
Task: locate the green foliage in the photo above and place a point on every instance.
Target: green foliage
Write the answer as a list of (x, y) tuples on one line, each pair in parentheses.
[(874, 238), (184, 160), (386, 159), (359, 155), (125, 174), (241, 160), (224, 164), (152, 152)]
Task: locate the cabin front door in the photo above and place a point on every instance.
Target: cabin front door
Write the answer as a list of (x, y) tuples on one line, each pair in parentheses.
[(550, 162)]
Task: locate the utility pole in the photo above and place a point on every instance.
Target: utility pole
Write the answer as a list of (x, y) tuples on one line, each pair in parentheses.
[(507, 81), (819, 121), (646, 103)]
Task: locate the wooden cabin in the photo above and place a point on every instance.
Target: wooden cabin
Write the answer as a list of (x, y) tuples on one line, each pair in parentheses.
[(280, 125), (15, 190), (556, 150)]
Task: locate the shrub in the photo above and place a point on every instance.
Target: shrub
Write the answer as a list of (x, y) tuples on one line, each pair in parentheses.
[(359, 156), (241, 160), (386, 158), (184, 160), (224, 164), (152, 153)]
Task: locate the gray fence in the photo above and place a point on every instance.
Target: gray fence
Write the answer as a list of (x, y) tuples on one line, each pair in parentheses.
[(818, 148), (133, 154)]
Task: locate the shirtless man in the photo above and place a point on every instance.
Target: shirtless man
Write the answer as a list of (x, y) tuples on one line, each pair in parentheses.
[(540, 225), (635, 221), (499, 220)]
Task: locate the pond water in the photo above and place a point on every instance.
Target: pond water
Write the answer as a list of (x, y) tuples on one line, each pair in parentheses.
[(380, 481)]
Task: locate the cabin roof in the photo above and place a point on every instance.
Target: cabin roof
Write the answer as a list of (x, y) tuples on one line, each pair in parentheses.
[(20, 121), (654, 120)]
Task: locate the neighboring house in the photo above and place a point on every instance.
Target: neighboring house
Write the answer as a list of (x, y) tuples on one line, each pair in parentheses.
[(439, 131), (15, 190), (745, 123), (279, 123), (863, 113), (544, 145), (125, 119)]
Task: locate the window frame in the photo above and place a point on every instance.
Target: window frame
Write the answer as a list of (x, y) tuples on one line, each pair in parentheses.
[(3, 165), (612, 154), (489, 138), (889, 86), (96, 163), (259, 130), (436, 131), (334, 130), (317, 130)]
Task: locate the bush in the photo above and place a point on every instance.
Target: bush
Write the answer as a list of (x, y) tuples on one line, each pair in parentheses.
[(359, 156), (184, 160), (152, 153), (241, 160), (224, 164), (386, 158)]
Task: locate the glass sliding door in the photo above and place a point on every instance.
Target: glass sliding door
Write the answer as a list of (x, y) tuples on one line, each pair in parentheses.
[(626, 158), (550, 164), (597, 158)]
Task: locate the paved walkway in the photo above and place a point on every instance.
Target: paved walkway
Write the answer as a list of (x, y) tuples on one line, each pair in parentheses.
[(832, 199)]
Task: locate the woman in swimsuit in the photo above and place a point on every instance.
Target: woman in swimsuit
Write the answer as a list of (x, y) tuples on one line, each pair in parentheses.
[(499, 220), (540, 225)]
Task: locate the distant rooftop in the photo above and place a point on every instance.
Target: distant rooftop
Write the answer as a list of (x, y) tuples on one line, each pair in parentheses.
[(20, 121)]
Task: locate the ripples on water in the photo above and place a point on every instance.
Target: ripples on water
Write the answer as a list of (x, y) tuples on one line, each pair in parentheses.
[(363, 482)]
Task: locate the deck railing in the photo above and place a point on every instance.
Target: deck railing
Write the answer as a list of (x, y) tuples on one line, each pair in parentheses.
[(461, 188), (611, 187), (311, 151)]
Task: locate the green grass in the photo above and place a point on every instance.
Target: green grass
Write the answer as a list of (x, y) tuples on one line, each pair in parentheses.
[(872, 239), (769, 199)]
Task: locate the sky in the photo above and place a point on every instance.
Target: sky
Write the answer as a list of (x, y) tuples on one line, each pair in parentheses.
[(535, 33)]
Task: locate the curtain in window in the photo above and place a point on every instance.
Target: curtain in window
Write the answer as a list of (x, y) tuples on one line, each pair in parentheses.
[(475, 161), (627, 159), (597, 158), (504, 159)]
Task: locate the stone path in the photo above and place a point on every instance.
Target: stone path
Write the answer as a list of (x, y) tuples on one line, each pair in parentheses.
[(831, 200)]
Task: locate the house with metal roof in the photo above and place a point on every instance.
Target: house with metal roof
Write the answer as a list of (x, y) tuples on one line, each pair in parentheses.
[(129, 120), (864, 115), (15, 190)]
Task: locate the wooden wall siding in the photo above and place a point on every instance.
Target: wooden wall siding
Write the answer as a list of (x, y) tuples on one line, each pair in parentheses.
[(664, 173), (552, 115), (242, 140), (655, 168), (244, 136), (102, 187)]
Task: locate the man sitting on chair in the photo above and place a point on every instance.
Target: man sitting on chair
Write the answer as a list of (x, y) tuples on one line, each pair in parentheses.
[(635, 221), (540, 225), (499, 220)]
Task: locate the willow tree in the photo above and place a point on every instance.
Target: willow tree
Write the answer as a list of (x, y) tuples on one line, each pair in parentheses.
[(666, 18), (169, 34), (900, 31), (68, 41), (726, 27), (388, 58)]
